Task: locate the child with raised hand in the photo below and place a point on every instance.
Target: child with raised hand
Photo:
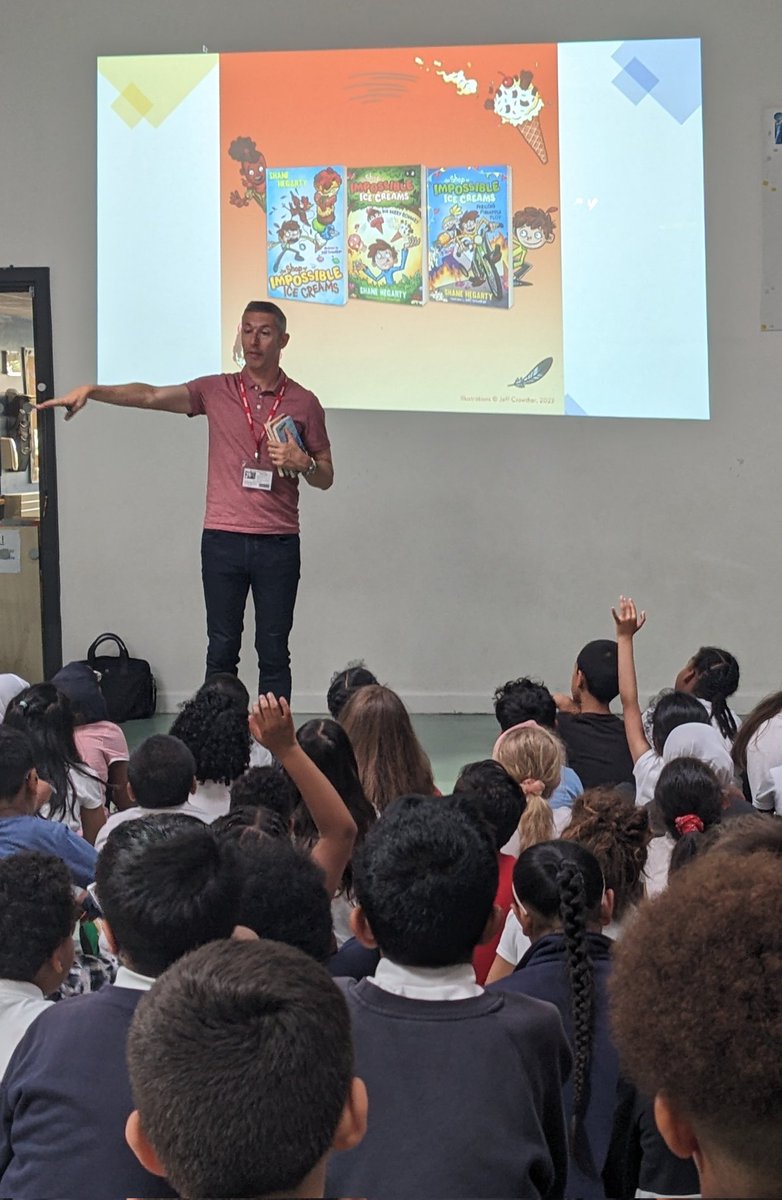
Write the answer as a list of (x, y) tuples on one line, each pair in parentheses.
[(594, 736), (562, 903), (288, 1104), (37, 915), (271, 724), (709, 952), (465, 1086), (22, 794)]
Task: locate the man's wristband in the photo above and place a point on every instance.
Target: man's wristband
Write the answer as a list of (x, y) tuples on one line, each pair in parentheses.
[(310, 469)]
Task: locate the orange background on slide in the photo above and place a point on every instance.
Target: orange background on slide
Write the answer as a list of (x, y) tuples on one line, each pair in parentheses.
[(329, 108)]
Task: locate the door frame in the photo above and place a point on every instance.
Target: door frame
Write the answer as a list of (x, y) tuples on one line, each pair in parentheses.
[(36, 281)]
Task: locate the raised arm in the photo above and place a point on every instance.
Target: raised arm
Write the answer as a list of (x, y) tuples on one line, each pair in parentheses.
[(271, 724), (174, 399), (628, 621)]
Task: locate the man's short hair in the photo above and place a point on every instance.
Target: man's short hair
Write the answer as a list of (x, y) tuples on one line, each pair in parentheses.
[(266, 306), (598, 663), (263, 1032), (37, 912), (524, 699), (16, 761), (496, 795), (166, 885), (161, 772), (426, 877), (265, 787), (283, 895), (709, 950)]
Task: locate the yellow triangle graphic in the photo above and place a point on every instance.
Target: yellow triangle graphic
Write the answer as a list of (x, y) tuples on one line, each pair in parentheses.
[(150, 87)]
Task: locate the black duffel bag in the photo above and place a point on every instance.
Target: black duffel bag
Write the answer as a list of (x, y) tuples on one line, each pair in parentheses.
[(127, 684)]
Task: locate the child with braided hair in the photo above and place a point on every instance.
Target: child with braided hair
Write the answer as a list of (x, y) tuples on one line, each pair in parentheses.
[(561, 902)]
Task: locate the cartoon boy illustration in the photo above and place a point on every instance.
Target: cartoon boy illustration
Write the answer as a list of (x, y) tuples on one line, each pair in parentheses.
[(290, 237), (386, 262), (532, 228)]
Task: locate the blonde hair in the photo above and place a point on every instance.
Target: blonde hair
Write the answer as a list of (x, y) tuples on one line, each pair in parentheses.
[(534, 757), (391, 761)]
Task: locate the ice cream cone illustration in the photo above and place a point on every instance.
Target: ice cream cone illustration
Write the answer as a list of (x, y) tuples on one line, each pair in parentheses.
[(518, 102)]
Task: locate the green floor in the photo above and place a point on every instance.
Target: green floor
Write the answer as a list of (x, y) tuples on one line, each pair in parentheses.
[(450, 741)]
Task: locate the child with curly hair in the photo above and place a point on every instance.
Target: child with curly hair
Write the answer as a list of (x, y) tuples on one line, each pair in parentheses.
[(697, 1019)]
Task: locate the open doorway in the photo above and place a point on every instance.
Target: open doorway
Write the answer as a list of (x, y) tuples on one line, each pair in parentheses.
[(30, 623)]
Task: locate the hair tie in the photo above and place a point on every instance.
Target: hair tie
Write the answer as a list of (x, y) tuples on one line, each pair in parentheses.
[(512, 729), (532, 787), (23, 705), (688, 824)]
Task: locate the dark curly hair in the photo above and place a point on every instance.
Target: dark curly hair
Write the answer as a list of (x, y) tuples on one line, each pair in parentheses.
[(497, 797), (344, 683), (563, 881), (37, 912), (216, 732), (607, 821), (524, 699), (709, 951)]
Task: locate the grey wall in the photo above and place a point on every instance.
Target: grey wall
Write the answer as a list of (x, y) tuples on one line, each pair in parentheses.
[(453, 551)]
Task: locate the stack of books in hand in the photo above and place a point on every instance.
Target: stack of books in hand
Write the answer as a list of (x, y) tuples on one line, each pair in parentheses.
[(283, 429)]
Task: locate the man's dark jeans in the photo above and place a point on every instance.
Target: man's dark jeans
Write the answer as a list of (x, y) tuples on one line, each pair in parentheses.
[(231, 565)]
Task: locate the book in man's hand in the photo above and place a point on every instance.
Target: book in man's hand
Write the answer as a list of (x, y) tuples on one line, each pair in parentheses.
[(276, 432)]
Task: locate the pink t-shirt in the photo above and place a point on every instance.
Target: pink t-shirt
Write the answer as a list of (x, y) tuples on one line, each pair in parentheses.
[(230, 506), (99, 745)]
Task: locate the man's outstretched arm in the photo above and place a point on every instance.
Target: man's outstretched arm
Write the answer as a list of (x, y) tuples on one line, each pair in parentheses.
[(174, 399)]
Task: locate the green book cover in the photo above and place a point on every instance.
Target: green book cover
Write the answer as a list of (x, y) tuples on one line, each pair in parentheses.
[(385, 236)]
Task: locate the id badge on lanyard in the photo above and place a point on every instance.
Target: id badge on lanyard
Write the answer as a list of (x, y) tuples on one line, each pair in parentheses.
[(254, 477)]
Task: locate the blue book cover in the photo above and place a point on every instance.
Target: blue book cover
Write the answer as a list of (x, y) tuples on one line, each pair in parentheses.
[(468, 224), (305, 234)]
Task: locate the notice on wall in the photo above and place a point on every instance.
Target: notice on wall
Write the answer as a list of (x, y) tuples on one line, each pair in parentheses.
[(771, 221), (10, 551)]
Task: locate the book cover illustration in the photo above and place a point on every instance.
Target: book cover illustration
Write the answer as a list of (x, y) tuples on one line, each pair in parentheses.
[(468, 222), (305, 234), (385, 234)]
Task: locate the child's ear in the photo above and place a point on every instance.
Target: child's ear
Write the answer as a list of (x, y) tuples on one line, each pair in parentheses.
[(361, 929), (522, 916), (493, 925), (193, 786), (675, 1129), (607, 907), (139, 1144), (353, 1121)]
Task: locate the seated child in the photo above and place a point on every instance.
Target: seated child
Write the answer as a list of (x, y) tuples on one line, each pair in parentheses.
[(501, 803), (344, 683), (391, 761), (562, 904), (594, 737), (232, 688), (37, 915), (608, 823), (214, 728), (161, 779), (688, 798), (100, 743), (522, 700), (265, 787), (166, 886), (465, 1087), (284, 1107), (709, 952), (21, 795)]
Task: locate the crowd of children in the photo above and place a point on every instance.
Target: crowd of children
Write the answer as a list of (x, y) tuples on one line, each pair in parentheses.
[(307, 972)]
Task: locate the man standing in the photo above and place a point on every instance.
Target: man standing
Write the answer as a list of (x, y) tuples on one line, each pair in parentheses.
[(251, 528)]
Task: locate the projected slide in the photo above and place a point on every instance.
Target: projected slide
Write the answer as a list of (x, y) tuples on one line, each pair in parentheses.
[(505, 228)]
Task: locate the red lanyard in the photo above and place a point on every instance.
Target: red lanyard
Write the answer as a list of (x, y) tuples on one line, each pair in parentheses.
[(258, 438)]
